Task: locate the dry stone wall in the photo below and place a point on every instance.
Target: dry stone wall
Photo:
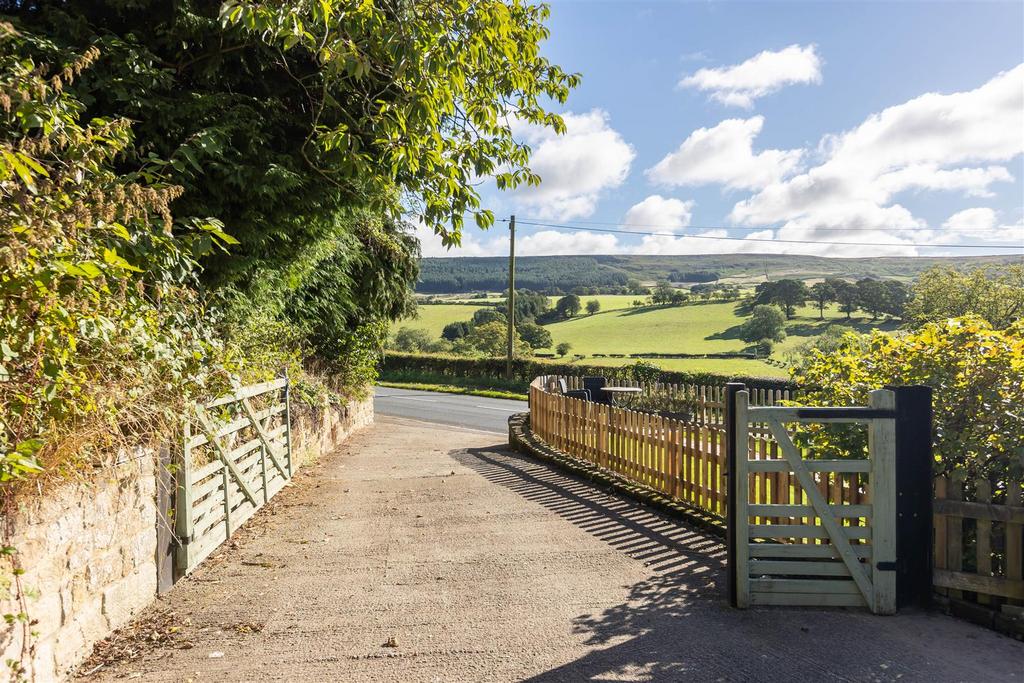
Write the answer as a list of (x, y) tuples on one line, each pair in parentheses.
[(90, 548)]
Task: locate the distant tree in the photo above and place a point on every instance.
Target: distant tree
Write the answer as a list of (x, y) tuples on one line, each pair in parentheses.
[(823, 294), (411, 339), (895, 298), (996, 296), (488, 315), (529, 304), (563, 348), (845, 294), (491, 339), (871, 296), (636, 303), (534, 335), (679, 297), (568, 306), (456, 330), (593, 306), (786, 293), (633, 286), (662, 293), (765, 322)]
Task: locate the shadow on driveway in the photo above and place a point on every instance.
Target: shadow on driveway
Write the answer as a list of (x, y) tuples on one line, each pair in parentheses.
[(677, 625)]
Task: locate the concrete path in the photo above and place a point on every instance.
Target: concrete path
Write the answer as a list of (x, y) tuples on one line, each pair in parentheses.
[(421, 553), (456, 410)]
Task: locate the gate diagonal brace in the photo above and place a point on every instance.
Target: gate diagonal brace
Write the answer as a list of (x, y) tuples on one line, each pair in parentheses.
[(209, 432), (839, 539)]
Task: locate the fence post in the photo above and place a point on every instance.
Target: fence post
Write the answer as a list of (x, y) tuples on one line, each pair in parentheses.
[(183, 504), (732, 451), (914, 553), (882, 483)]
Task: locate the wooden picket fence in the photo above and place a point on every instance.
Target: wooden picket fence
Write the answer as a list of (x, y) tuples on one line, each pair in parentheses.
[(979, 538), (236, 455), (979, 528), (684, 460)]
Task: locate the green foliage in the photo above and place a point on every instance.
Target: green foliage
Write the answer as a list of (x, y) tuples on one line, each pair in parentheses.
[(644, 371), (977, 375), (491, 339), (568, 306), (845, 294), (995, 295), (823, 293), (593, 306), (534, 335), (765, 323), (98, 317), (412, 339), (456, 330), (786, 293), (418, 95), (447, 369), (881, 297), (563, 348), (662, 293)]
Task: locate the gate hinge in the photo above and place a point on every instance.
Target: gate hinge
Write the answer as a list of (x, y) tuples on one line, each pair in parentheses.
[(885, 566)]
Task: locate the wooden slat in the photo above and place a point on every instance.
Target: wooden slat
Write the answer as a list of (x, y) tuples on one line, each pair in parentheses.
[(991, 585), (806, 531), (820, 586), (797, 568), (811, 465), (249, 392), (978, 510), (807, 600), (790, 550), (808, 511)]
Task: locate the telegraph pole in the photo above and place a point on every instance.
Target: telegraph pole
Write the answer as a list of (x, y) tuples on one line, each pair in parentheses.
[(511, 295)]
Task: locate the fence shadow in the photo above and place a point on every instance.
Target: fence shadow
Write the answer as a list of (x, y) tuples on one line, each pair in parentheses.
[(648, 634), (676, 624)]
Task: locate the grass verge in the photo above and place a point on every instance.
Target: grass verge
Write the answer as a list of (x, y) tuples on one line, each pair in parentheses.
[(451, 389)]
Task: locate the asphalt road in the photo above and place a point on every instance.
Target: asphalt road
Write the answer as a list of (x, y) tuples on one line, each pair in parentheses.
[(457, 410)]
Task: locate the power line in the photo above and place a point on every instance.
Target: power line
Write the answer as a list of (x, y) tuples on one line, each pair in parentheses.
[(740, 227), (558, 226)]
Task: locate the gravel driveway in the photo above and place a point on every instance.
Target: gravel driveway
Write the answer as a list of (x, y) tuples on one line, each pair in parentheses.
[(429, 553)]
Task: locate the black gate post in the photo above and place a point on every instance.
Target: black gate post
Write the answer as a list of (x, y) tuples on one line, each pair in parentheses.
[(914, 495), (731, 453)]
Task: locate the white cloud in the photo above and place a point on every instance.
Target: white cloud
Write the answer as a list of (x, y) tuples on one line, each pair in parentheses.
[(659, 212), (551, 242), (933, 142), (575, 168), (982, 223), (725, 154), (767, 72)]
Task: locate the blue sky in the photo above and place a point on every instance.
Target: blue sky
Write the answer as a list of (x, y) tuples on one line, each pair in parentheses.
[(897, 123)]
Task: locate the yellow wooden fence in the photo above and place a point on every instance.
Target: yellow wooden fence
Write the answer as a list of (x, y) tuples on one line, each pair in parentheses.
[(685, 460), (979, 528)]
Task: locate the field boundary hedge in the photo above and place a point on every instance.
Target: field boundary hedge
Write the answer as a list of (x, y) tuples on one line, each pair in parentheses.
[(525, 370)]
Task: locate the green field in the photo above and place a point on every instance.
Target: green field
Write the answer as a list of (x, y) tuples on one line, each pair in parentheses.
[(434, 317), (694, 329)]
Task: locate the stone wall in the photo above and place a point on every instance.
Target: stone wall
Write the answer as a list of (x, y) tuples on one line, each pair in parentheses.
[(90, 550)]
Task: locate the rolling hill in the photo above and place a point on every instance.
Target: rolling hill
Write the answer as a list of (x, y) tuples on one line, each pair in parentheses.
[(465, 274)]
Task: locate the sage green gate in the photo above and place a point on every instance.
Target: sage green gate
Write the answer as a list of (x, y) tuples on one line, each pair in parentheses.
[(236, 455), (831, 538)]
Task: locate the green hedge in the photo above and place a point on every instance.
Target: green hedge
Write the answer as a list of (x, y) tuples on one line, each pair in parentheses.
[(524, 370)]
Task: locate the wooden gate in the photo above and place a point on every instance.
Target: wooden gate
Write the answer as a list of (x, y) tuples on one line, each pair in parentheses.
[(834, 542), (236, 455)]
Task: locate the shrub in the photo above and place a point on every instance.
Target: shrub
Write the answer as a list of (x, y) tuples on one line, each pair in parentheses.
[(977, 375)]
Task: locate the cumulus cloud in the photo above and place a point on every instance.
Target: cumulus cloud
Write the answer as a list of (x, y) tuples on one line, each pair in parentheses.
[(659, 212), (982, 223), (934, 142), (725, 155), (767, 72), (575, 168)]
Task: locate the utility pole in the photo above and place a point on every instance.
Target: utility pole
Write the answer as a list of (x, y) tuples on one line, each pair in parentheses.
[(511, 294)]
